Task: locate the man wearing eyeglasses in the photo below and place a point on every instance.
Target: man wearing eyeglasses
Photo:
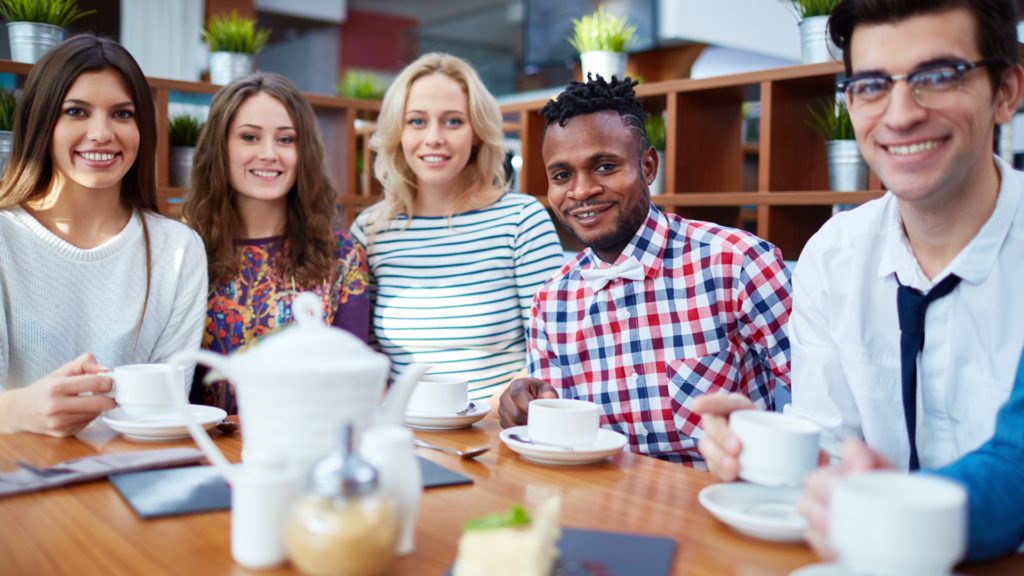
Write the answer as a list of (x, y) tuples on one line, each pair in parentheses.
[(908, 312)]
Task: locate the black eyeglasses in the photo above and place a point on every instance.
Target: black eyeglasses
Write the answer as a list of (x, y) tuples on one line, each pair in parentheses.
[(932, 86)]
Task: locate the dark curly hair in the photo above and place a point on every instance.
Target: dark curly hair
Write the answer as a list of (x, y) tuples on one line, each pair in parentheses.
[(598, 95)]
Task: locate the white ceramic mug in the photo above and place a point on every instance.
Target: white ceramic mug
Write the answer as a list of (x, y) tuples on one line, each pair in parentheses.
[(569, 423), (778, 450), (439, 394), (141, 389), (889, 523)]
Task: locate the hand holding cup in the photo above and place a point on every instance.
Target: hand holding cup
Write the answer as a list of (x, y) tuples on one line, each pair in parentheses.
[(515, 401)]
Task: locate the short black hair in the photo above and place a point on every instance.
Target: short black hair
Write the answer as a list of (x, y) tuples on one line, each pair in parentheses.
[(597, 95), (996, 31)]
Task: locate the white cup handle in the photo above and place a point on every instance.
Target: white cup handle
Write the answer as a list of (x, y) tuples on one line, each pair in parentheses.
[(219, 363)]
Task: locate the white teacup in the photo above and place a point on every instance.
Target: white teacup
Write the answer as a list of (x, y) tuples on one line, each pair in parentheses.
[(141, 389), (889, 523), (569, 423), (439, 394), (777, 450)]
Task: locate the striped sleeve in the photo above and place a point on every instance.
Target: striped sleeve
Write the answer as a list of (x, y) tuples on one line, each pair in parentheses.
[(537, 253)]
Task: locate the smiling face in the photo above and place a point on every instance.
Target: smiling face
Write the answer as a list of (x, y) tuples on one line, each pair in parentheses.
[(263, 156), (928, 154), (96, 139), (437, 137), (597, 186)]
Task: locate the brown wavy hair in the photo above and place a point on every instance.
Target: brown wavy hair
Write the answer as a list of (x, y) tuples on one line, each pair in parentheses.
[(209, 206), (30, 168)]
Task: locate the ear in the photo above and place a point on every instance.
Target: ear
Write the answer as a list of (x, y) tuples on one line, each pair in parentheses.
[(649, 165), (1008, 98)]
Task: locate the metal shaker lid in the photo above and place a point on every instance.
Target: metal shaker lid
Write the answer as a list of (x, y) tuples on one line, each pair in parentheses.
[(343, 472)]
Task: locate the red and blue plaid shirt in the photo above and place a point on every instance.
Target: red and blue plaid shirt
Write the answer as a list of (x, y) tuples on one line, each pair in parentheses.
[(709, 317)]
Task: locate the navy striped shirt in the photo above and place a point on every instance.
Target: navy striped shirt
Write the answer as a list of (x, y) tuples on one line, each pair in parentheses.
[(456, 293)]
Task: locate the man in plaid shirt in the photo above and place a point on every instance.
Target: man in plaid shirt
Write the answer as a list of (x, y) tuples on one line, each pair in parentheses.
[(659, 309)]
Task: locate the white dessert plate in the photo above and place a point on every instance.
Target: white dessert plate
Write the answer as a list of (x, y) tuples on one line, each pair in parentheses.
[(608, 442), (764, 512), (161, 426), (427, 421)]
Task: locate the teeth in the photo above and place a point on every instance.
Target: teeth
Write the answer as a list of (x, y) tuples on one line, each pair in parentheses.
[(265, 173), (97, 157), (433, 158), (914, 148), (586, 215)]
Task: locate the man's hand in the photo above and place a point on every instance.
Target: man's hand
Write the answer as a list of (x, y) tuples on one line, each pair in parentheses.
[(516, 399), (52, 406), (718, 445), (813, 502)]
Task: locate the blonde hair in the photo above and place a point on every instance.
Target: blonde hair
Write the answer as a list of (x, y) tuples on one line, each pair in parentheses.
[(483, 171)]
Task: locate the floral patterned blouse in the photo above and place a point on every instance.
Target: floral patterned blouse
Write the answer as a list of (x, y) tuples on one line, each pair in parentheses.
[(258, 302)]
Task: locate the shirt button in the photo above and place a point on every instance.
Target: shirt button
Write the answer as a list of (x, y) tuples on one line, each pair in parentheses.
[(623, 314), (643, 431), (634, 375)]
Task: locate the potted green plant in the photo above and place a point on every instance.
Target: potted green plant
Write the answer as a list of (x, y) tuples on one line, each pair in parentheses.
[(234, 43), (361, 86), (847, 170), (183, 134), (35, 26), (815, 43), (655, 127), (602, 41), (7, 106)]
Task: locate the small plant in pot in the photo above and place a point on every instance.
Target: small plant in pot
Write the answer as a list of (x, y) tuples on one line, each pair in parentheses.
[(602, 41), (655, 127), (847, 170), (815, 43), (234, 43), (7, 106), (35, 26), (184, 133), (361, 86)]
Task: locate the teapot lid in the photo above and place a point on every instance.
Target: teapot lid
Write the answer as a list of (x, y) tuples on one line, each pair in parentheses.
[(343, 472), (310, 344)]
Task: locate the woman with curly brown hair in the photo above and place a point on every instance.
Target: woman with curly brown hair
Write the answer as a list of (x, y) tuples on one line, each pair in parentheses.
[(263, 202)]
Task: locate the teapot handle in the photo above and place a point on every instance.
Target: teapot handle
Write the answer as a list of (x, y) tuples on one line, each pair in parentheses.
[(210, 450), (393, 411)]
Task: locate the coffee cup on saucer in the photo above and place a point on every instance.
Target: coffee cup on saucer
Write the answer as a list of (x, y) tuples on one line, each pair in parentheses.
[(778, 450), (439, 394), (888, 523), (142, 390), (567, 423)]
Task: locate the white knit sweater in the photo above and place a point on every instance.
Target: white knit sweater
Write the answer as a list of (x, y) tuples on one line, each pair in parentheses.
[(60, 301)]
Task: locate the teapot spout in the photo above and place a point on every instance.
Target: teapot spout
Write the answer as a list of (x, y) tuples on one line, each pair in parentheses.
[(393, 410)]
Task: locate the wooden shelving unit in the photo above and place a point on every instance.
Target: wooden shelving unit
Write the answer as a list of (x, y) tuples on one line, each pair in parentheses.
[(704, 174), (706, 159)]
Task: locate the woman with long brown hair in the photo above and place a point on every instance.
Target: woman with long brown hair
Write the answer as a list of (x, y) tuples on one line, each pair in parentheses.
[(88, 268), (263, 202)]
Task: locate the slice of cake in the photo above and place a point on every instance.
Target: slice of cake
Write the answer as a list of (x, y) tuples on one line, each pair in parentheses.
[(511, 543)]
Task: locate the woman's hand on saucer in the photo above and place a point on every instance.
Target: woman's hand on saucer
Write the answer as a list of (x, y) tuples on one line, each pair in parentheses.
[(718, 445), (516, 399), (813, 502), (52, 405)]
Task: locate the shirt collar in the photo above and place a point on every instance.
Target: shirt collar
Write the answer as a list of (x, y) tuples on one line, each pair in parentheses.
[(976, 260), (647, 246)]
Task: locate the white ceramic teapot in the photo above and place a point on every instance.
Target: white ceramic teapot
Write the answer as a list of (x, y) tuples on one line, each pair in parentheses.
[(296, 387)]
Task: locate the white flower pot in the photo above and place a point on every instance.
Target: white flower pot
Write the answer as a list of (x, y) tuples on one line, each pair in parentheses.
[(604, 63), (658, 186), (847, 170), (226, 67), (815, 44), (30, 40)]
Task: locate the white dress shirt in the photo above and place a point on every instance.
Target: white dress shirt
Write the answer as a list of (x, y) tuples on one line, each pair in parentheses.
[(845, 332)]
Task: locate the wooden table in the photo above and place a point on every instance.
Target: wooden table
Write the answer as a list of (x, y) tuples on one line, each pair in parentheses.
[(90, 529)]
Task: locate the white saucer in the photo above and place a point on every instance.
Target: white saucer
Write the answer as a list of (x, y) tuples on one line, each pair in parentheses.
[(427, 421), (764, 512), (821, 569), (608, 442), (161, 426)]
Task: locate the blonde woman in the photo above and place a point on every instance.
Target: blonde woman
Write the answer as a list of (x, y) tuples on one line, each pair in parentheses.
[(454, 257)]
